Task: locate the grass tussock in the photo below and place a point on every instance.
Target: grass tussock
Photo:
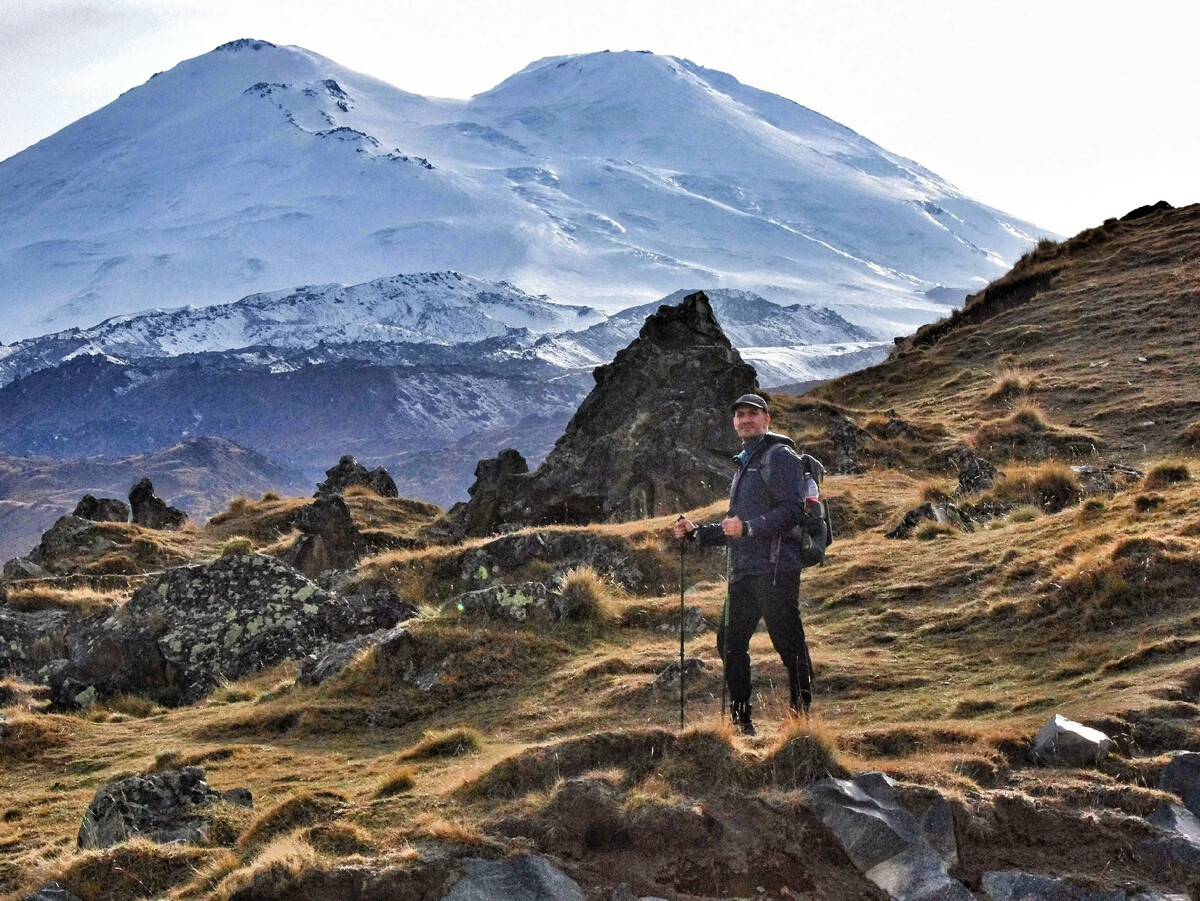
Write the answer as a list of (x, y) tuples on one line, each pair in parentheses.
[(341, 839), (804, 753), (122, 708), (276, 871), (77, 601), (24, 737), (1050, 487), (931, 531), (454, 742), (1189, 435), (935, 491), (134, 869), (1010, 384), (299, 811), (237, 546), (583, 593), (1165, 474), (397, 783)]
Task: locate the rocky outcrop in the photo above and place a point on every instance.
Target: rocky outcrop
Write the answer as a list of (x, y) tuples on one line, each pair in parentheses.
[(20, 635), (107, 509), (1067, 743), (904, 856), (166, 807), (152, 512), (24, 568), (1011, 885), (70, 536), (349, 472), (185, 631), (330, 541), (653, 436), (498, 482), (848, 442), (522, 602)]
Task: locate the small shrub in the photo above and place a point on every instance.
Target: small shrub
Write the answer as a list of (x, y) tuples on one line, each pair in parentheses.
[(1029, 417), (803, 754), (399, 782), (269, 496), (237, 546), (583, 593), (935, 492), (444, 743), (239, 504), (1010, 384), (1050, 487), (1147, 503), (1165, 474), (1092, 509)]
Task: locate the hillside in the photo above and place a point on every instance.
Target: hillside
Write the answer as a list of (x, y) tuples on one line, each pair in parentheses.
[(606, 179), (539, 726)]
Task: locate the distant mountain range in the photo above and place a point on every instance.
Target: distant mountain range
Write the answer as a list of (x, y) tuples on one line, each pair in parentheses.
[(606, 179)]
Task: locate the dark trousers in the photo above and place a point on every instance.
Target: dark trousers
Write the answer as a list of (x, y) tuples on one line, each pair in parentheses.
[(775, 598)]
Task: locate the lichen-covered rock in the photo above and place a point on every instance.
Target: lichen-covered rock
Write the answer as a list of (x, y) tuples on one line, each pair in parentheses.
[(70, 537), (520, 602), (171, 806), (848, 442), (942, 514), (185, 631), (653, 436), (975, 474), (24, 568), (563, 551), (20, 634), (349, 472), (152, 512), (107, 509)]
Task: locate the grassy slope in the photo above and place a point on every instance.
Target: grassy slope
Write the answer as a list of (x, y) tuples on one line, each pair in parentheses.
[(936, 659)]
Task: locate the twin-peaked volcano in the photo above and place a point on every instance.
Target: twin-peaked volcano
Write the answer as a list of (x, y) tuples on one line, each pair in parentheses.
[(606, 179)]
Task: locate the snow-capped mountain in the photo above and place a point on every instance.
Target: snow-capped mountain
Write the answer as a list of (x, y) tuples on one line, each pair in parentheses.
[(443, 308), (605, 179)]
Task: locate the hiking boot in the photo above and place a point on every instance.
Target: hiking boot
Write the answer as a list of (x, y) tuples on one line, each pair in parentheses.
[(799, 707), (741, 717)]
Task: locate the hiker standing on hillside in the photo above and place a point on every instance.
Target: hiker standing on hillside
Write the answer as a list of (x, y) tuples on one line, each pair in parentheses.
[(764, 579)]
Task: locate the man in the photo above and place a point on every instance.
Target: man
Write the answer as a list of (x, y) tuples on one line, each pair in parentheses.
[(764, 579)]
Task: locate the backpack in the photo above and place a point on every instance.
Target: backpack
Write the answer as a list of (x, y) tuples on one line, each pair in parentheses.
[(816, 533)]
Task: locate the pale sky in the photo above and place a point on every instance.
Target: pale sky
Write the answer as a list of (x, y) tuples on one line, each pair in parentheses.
[(1060, 113)]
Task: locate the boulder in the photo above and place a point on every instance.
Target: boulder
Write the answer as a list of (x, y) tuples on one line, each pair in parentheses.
[(693, 623), (349, 472), (150, 511), (526, 878), (653, 436), (330, 539), (1106, 479), (166, 807), (886, 843), (1178, 820), (333, 660), (1011, 885), (187, 630), (107, 509), (1181, 777), (1067, 743)]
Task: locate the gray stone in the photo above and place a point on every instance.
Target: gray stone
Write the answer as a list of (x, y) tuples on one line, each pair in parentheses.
[(167, 807), (1067, 743), (975, 474), (51, 891), (693, 623), (886, 843), (186, 631), (24, 568), (848, 442), (152, 512), (1011, 885), (610, 557), (1171, 855), (1174, 818), (942, 514), (527, 878), (1181, 777), (331, 540), (107, 509), (20, 635), (693, 668), (70, 536), (519, 602)]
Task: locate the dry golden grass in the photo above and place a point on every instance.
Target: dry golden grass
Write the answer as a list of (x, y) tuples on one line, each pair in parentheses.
[(444, 743), (397, 783), (237, 546), (77, 601), (1050, 486), (1165, 474)]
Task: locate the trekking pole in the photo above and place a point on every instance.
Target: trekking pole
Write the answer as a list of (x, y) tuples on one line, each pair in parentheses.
[(681, 614), (725, 631)]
